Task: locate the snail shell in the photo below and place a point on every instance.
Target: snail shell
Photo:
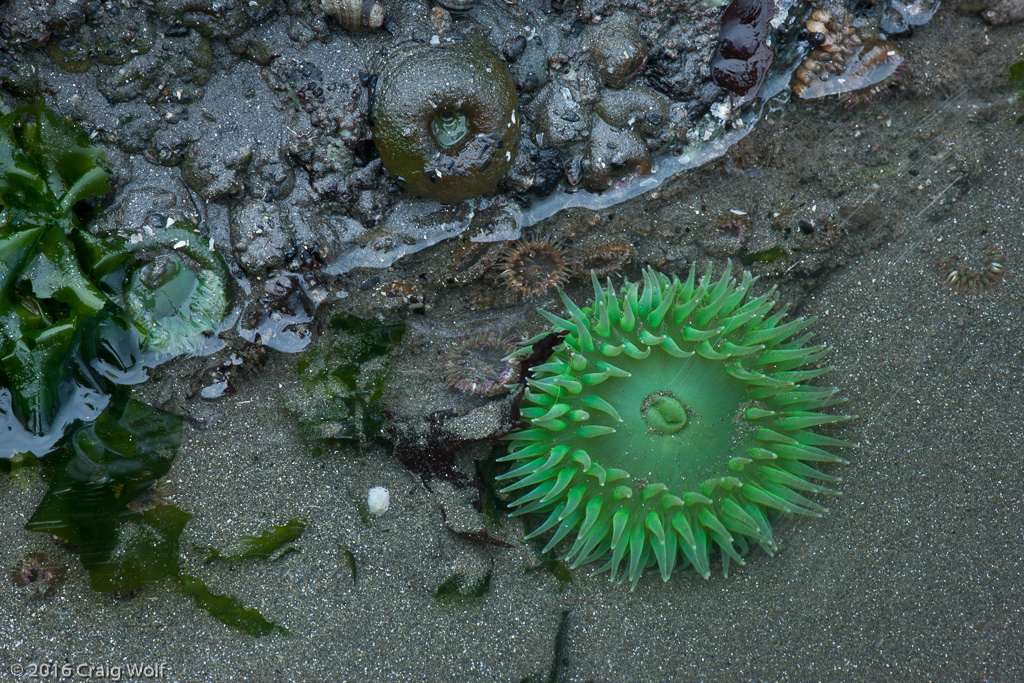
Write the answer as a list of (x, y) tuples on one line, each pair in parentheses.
[(456, 6), (356, 15)]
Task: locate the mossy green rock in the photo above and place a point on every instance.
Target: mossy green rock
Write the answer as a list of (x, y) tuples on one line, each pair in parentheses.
[(444, 119)]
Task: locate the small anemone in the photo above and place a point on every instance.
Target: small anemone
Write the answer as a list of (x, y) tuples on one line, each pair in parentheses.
[(37, 574), (177, 292), (532, 267), (676, 418), (730, 235), (957, 273), (156, 494), (479, 364), (603, 260)]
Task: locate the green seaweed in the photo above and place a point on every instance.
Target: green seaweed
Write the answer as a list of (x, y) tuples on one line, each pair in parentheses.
[(766, 256), (47, 167), (350, 558), (1016, 81), (555, 567), (101, 468), (269, 545), (342, 379), (62, 288), (454, 589), (492, 505), (228, 609), (364, 512)]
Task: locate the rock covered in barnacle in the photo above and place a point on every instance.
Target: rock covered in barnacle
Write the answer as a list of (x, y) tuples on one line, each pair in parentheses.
[(634, 108), (844, 62), (560, 116), (1004, 12), (743, 57)]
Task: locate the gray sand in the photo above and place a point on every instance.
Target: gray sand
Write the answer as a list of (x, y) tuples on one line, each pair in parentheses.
[(915, 574)]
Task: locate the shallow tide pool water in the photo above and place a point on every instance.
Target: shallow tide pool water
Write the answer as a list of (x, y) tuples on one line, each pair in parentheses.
[(914, 573)]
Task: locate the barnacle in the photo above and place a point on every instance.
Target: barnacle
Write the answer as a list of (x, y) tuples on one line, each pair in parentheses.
[(844, 62), (676, 417)]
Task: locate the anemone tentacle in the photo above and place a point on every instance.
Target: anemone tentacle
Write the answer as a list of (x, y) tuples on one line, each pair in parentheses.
[(673, 419)]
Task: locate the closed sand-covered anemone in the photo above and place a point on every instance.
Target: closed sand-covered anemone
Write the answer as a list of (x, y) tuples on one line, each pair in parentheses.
[(444, 119), (675, 417)]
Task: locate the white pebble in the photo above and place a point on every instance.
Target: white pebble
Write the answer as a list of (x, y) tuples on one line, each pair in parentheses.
[(378, 500)]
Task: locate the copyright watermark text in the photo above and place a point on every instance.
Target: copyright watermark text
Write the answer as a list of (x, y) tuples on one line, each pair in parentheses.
[(100, 672)]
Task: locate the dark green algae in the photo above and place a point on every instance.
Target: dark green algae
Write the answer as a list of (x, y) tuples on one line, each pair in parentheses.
[(75, 316), (94, 478), (444, 119), (1016, 82), (342, 379)]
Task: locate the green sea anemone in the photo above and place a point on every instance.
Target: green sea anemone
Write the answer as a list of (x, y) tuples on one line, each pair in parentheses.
[(177, 290), (673, 418)]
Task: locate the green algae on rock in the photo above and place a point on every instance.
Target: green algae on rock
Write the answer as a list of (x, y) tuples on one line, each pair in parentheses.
[(675, 417), (444, 119), (342, 380)]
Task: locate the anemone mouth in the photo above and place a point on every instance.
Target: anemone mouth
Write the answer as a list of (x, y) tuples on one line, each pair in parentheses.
[(450, 128), (675, 418)]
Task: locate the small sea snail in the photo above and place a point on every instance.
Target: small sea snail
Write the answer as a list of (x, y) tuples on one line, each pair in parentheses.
[(457, 6), (356, 15), (444, 119)]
